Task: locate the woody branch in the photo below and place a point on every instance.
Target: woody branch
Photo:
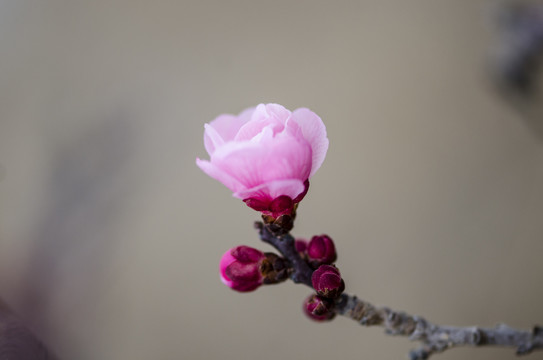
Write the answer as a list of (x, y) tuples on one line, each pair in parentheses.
[(433, 337)]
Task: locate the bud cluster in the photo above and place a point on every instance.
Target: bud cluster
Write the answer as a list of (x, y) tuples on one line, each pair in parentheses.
[(320, 254), (245, 269), (266, 156)]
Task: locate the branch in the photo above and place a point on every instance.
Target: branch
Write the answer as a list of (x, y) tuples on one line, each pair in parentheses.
[(284, 243), (434, 338), (437, 338)]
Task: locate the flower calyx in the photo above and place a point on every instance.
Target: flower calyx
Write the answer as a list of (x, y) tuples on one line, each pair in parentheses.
[(274, 269)]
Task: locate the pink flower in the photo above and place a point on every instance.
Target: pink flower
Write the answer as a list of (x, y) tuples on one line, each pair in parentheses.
[(240, 268), (266, 155)]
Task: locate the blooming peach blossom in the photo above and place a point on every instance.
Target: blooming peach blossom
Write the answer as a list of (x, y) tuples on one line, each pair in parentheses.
[(266, 155)]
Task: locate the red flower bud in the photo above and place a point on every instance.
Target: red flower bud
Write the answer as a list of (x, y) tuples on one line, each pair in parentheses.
[(327, 281), (301, 245), (321, 250), (240, 268), (318, 308)]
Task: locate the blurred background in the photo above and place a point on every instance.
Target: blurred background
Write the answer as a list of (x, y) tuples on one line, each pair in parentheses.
[(110, 236)]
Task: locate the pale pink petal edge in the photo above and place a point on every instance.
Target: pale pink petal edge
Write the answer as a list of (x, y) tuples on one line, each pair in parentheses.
[(314, 131), (212, 139), (226, 260), (217, 174)]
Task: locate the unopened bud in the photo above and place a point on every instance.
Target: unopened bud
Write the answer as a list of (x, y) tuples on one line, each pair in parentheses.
[(321, 250), (301, 245), (327, 281), (240, 268), (318, 308)]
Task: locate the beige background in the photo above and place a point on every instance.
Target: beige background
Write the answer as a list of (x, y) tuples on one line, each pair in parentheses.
[(110, 236)]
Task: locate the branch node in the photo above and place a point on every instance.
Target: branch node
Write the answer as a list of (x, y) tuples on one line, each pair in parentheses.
[(476, 336), (419, 332)]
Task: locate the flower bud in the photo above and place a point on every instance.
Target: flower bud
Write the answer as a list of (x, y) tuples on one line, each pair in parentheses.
[(318, 308), (327, 281), (321, 250), (301, 245), (240, 268)]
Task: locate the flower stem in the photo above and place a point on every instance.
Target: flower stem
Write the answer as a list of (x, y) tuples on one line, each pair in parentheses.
[(284, 243)]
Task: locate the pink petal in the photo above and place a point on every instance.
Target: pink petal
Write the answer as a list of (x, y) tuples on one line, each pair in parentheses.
[(245, 254), (238, 160), (272, 190), (270, 115), (226, 260), (262, 204), (224, 128), (226, 281), (246, 114), (314, 132), (240, 272), (272, 111), (288, 158), (278, 112), (254, 164), (217, 174), (228, 125), (212, 139)]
